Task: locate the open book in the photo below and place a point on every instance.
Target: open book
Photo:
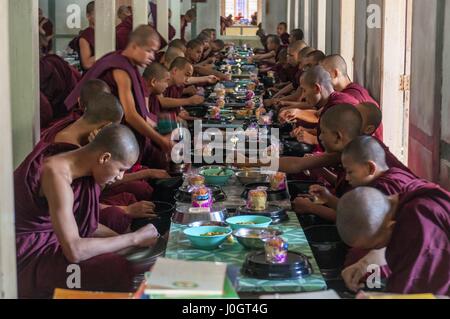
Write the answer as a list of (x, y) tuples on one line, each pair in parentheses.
[(186, 278)]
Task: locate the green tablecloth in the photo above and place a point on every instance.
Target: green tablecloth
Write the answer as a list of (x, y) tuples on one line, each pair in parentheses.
[(179, 247)]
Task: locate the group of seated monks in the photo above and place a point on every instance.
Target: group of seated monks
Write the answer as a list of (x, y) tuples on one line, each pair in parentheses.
[(78, 191)]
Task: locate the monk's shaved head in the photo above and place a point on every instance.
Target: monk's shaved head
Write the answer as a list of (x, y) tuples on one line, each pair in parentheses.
[(171, 54), (297, 35), (317, 75), (143, 34), (123, 12), (156, 71), (119, 141), (103, 108), (298, 45), (364, 149), (335, 62), (343, 118), (178, 43), (372, 117), (91, 89), (316, 56), (305, 51), (90, 8), (180, 64), (361, 214)]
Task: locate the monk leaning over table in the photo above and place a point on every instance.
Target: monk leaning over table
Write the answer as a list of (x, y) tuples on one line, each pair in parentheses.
[(57, 191), (413, 226)]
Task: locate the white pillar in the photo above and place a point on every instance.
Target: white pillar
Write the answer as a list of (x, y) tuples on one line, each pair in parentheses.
[(306, 20), (105, 27), (141, 11), (321, 25), (289, 10), (24, 48), (175, 6), (163, 18), (297, 13), (8, 277), (348, 11)]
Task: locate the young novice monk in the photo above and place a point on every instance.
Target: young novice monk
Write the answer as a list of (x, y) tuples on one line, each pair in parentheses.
[(337, 67), (57, 191), (413, 227), (171, 101), (120, 71), (85, 42)]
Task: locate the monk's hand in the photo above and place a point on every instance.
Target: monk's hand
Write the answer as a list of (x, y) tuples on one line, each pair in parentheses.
[(191, 90), (269, 102), (212, 79), (141, 209), (146, 236), (353, 275), (303, 205), (156, 174), (321, 193), (196, 100), (307, 138)]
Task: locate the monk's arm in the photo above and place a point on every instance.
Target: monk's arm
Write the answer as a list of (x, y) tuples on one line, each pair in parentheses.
[(265, 56), (59, 194), (294, 165), (104, 232), (325, 213), (171, 103), (87, 57), (211, 79), (293, 97), (206, 70), (287, 89), (132, 117)]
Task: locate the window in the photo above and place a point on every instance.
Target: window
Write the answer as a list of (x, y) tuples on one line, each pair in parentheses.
[(244, 7)]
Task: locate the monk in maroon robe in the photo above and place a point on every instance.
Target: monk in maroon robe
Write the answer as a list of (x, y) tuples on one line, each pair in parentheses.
[(412, 226), (57, 189), (45, 111), (57, 79), (337, 67), (123, 31), (283, 34), (84, 43), (46, 30), (120, 71)]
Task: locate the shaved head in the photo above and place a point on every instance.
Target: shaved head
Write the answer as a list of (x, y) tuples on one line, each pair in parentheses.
[(317, 75), (298, 45), (119, 141), (305, 51), (178, 43), (343, 118), (123, 12), (103, 108), (372, 117), (156, 71), (364, 149), (90, 8), (143, 34), (171, 54), (316, 56), (335, 62), (91, 89), (361, 214), (297, 35)]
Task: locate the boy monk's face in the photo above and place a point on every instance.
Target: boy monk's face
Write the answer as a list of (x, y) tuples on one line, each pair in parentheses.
[(181, 76), (159, 86), (195, 54), (144, 55), (281, 29), (358, 174), (331, 140), (292, 57), (311, 93), (108, 171)]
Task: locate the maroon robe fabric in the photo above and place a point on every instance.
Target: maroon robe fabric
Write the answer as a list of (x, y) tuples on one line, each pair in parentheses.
[(89, 35), (45, 112), (418, 252), (114, 217), (123, 31), (57, 79), (41, 264), (139, 189), (103, 70), (174, 92), (154, 13), (363, 96), (394, 181), (296, 78)]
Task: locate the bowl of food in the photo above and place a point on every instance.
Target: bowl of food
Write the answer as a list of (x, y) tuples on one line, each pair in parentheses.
[(208, 223), (216, 175), (248, 177), (207, 237), (249, 221), (255, 238)]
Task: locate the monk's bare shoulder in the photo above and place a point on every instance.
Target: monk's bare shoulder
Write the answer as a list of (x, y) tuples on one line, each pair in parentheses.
[(121, 77), (55, 171)]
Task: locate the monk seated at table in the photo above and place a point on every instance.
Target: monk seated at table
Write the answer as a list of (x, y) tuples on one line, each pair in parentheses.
[(179, 44), (337, 67), (194, 53), (282, 32), (172, 100), (57, 191), (84, 43), (413, 226), (120, 71)]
